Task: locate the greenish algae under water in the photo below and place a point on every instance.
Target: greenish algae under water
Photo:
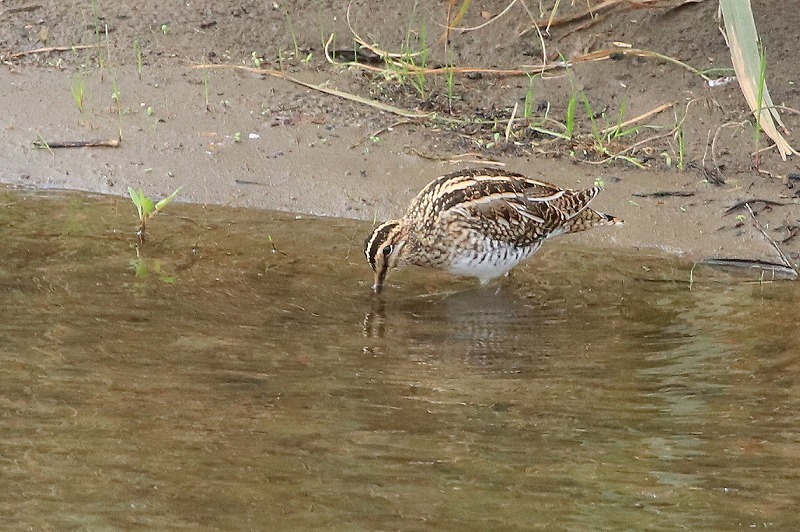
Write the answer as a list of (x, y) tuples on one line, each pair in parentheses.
[(237, 386)]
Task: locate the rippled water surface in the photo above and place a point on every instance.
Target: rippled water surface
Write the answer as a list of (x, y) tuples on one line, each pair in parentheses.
[(239, 374)]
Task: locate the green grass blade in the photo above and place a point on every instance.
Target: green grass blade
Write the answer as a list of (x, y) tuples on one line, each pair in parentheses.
[(168, 199), (571, 107), (550, 133), (137, 199)]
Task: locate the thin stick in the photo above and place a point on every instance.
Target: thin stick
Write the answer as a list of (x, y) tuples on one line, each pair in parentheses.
[(20, 9), (333, 92), (446, 36), (588, 24), (591, 11), (538, 32), (647, 141), (479, 26), (113, 143), (52, 49), (450, 23), (363, 43), (600, 55), (511, 120), (661, 135), (381, 130), (783, 256), (644, 116), (764, 149), (714, 148), (462, 158)]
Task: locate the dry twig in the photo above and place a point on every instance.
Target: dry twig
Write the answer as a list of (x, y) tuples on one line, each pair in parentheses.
[(643, 116), (784, 258), (49, 49), (113, 143)]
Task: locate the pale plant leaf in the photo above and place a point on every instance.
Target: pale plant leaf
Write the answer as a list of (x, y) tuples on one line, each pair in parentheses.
[(742, 37)]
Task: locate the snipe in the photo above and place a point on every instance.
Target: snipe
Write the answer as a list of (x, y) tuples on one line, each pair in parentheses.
[(480, 223)]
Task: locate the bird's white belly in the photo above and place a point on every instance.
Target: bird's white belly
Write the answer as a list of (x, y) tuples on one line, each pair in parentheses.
[(489, 264)]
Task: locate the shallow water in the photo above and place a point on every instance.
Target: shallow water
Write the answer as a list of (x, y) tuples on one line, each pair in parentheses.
[(220, 382)]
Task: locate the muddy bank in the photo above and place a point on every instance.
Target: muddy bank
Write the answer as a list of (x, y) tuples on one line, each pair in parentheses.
[(237, 138)]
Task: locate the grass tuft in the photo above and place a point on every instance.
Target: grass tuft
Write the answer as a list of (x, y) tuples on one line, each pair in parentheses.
[(77, 87)]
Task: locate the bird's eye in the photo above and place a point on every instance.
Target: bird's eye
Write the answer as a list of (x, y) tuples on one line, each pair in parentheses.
[(387, 250)]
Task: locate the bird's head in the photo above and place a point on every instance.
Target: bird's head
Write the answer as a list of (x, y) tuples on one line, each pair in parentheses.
[(383, 249)]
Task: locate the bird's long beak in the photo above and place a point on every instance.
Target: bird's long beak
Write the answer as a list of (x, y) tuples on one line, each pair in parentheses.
[(380, 279)]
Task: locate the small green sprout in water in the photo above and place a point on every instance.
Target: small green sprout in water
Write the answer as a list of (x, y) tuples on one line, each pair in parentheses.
[(147, 209), (598, 182), (140, 269), (237, 137), (740, 218), (165, 29)]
